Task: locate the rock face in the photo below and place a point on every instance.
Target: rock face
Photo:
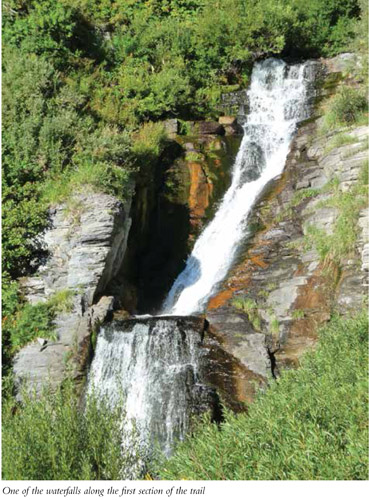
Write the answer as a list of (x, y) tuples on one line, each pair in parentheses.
[(236, 103), (86, 244), (282, 288), (169, 210)]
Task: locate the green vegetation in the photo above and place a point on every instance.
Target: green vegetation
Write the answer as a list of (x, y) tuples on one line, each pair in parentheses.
[(81, 77), (23, 323), (311, 423), (249, 307), (274, 325), (86, 87), (297, 199), (362, 146), (345, 108), (51, 438), (333, 247), (340, 140), (298, 314)]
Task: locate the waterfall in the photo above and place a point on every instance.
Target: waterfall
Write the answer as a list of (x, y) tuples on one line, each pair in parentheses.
[(278, 100), (153, 365)]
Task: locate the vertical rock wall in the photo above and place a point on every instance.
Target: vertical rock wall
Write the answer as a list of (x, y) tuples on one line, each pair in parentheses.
[(86, 244)]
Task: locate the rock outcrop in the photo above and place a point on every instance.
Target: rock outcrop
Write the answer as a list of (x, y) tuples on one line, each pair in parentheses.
[(86, 244), (169, 210), (284, 285)]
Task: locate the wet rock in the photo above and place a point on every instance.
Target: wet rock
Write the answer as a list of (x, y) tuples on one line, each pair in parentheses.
[(231, 125), (279, 269), (210, 128), (236, 103), (253, 163)]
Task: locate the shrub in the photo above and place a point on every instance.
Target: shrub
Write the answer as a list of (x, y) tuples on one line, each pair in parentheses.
[(345, 108), (22, 323), (149, 140), (53, 438), (311, 423)]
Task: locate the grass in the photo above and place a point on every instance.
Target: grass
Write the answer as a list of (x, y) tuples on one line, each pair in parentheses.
[(194, 157), (298, 314), (274, 326), (363, 146), (340, 140), (342, 241), (35, 320), (264, 293), (54, 438), (249, 307), (347, 107), (310, 424), (297, 199), (88, 177)]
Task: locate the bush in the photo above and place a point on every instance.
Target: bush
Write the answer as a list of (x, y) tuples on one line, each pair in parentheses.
[(345, 108), (22, 323), (52, 438), (311, 423), (149, 141)]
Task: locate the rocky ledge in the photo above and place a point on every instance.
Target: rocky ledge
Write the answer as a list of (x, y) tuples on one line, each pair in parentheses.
[(86, 243)]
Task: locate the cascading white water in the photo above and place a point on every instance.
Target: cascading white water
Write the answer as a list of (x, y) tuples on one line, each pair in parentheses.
[(153, 366), (278, 101), (154, 362)]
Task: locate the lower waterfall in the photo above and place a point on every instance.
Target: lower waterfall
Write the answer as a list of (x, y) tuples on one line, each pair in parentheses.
[(155, 363)]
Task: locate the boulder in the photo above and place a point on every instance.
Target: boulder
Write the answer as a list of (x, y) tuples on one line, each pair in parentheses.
[(210, 128), (231, 125)]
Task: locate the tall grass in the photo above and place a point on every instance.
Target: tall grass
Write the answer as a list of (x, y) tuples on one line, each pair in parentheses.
[(53, 438), (347, 107), (342, 241), (311, 423)]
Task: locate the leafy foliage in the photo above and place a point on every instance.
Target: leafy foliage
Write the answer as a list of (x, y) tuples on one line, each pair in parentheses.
[(310, 424), (345, 107), (24, 322), (81, 76), (53, 438)]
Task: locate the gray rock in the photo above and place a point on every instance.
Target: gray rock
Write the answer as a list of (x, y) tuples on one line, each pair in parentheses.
[(86, 246), (171, 127)]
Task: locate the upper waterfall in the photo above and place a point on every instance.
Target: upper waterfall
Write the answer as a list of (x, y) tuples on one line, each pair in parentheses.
[(278, 100)]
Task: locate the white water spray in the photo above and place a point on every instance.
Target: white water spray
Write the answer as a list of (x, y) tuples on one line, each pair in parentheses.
[(277, 98), (153, 366), (155, 363)]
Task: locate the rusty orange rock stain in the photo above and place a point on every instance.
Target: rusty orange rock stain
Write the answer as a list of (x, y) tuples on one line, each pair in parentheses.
[(199, 191), (220, 299), (258, 262)]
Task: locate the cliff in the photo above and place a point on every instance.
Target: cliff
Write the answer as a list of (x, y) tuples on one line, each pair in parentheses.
[(308, 255), (85, 245)]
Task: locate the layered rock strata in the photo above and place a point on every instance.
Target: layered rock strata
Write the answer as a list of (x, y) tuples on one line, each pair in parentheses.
[(86, 244), (284, 285)]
